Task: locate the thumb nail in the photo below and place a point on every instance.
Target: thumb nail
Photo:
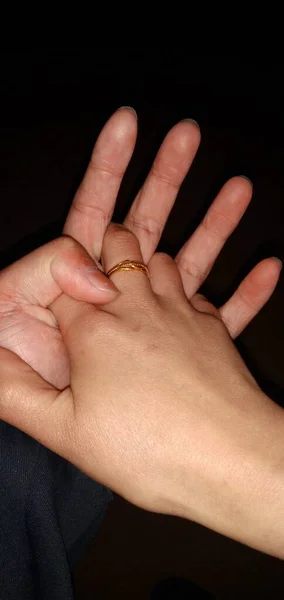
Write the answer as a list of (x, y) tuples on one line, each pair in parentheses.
[(100, 281)]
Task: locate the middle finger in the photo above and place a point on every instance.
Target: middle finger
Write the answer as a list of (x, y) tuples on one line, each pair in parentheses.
[(151, 208)]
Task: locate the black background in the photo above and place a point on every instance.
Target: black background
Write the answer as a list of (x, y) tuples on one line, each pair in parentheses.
[(53, 105)]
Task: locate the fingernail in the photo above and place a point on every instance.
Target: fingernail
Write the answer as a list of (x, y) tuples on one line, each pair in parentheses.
[(129, 108), (191, 121), (278, 260), (247, 178), (100, 281)]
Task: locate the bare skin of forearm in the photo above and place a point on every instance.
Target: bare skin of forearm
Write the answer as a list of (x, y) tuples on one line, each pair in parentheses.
[(244, 497)]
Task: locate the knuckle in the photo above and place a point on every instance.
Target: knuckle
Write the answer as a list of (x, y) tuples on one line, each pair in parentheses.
[(90, 328), (64, 245), (189, 268), (68, 242), (200, 297), (213, 317), (162, 259), (119, 234), (90, 208), (149, 225), (206, 307), (75, 330)]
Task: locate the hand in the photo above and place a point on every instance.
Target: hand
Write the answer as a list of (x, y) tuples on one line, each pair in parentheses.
[(29, 286), (161, 408)]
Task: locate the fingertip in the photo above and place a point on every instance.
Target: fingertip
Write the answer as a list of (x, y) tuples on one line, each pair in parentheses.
[(178, 149), (187, 133), (269, 271), (243, 184), (129, 108), (278, 262), (265, 274), (191, 121), (126, 114), (121, 127), (246, 178)]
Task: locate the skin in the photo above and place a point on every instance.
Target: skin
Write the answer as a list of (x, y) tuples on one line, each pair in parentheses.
[(31, 285), (161, 407), (215, 439)]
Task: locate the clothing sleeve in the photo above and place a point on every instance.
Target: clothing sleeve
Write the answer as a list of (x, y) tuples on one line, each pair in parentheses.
[(49, 511)]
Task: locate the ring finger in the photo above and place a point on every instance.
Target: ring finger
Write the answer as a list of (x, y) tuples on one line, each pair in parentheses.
[(197, 256), (119, 245)]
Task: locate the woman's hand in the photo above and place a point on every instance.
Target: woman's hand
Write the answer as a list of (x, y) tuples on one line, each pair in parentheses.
[(161, 408), (27, 288)]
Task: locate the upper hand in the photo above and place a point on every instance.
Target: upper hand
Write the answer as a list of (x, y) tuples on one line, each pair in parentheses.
[(29, 286)]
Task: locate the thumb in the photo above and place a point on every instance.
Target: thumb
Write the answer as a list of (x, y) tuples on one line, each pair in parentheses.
[(62, 265), (33, 405)]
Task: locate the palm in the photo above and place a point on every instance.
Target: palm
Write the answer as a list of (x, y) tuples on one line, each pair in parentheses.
[(31, 337), (28, 328)]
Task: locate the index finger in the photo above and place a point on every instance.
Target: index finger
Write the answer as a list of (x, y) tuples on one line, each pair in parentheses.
[(93, 205)]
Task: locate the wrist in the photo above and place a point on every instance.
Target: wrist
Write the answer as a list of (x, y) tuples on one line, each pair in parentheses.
[(238, 491)]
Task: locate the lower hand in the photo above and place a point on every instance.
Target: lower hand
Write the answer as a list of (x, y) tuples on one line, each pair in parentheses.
[(161, 408)]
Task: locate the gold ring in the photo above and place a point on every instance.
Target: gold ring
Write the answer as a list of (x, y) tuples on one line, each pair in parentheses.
[(129, 265)]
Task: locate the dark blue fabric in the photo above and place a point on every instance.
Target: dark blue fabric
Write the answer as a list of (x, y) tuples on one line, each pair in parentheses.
[(48, 513)]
